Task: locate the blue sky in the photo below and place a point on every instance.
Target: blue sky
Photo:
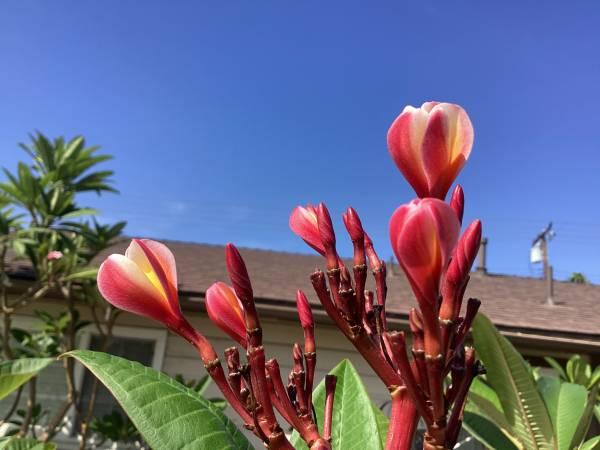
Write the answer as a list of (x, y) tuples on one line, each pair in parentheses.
[(222, 116)]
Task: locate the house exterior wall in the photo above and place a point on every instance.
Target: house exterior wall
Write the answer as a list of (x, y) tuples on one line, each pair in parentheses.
[(177, 357)]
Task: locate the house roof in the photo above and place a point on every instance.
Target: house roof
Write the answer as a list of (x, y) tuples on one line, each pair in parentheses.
[(510, 301)]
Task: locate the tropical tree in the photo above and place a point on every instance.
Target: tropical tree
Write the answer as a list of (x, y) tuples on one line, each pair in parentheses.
[(43, 223)]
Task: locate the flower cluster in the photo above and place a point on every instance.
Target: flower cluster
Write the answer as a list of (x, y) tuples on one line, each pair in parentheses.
[(430, 145), (144, 282)]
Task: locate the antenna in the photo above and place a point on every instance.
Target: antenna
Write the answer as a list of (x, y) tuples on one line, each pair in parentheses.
[(539, 253)]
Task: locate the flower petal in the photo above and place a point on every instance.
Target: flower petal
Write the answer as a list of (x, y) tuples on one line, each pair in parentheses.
[(225, 310), (123, 284), (303, 222)]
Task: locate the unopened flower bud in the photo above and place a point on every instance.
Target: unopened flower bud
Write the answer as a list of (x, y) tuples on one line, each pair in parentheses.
[(423, 234), (226, 311), (236, 268), (457, 202), (303, 222), (430, 146), (304, 310)]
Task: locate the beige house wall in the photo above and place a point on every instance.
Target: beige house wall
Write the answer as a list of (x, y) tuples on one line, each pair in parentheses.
[(177, 357)]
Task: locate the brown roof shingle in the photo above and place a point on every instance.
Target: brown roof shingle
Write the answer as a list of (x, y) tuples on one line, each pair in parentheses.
[(509, 301)]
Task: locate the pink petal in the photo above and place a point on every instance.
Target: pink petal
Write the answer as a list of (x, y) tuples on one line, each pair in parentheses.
[(303, 222), (404, 143), (225, 310), (123, 284)]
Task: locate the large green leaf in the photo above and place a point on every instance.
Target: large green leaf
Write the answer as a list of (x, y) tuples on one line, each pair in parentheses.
[(566, 404), (16, 372), (357, 423), (16, 443), (586, 417), (509, 376), (486, 432), (484, 402), (168, 414)]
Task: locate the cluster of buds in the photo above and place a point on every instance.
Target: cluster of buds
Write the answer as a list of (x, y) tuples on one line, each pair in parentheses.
[(430, 146), (144, 282)]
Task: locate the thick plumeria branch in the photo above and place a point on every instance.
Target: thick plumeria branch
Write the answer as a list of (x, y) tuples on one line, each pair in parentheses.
[(430, 145)]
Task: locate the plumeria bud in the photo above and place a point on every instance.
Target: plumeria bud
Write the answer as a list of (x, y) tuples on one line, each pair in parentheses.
[(325, 226), (304, 310), (423, 234), (457, 202), (327, 236), (357, 234), (303, 222), (226, 311), (236, 268), (465, 254), (430, 145), (374, 260), (143, 282), (353, 225), (54, 255)]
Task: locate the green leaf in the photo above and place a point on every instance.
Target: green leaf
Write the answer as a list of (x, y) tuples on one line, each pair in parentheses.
[(480, 403), (592, 444), (168, 414), (571, 405), (509, 376), (15, 443), (586, 417), (556, 366), (357, 423), (486, 432), (85, 274), (17, 372)]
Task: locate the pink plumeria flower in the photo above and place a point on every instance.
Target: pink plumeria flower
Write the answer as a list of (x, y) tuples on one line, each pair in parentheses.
[(423, 234), (143, 281), (430, 146), (54, 255), (226, 311)]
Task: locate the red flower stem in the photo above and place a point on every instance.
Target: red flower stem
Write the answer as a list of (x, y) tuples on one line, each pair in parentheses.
[(360, 281), (334, 277), (419, 358), (362, 342), (256, 362), (472, 307), (398, 346), (277, 403), (215, 370), (278, 441), (306, 428), (330, 383), (454, 421), (403, 421), (381, 291)]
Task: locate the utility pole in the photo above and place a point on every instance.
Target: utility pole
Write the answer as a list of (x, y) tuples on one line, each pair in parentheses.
[(541, 242)]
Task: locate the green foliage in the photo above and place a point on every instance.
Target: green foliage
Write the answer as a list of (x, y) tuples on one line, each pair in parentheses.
[(15, 373), (183, 418), (514, 407), (357, 423), (578, 278), (16, 443)]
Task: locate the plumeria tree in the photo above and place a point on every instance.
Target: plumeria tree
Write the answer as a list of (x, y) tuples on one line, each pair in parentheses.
[(430, 145), (43, 224)]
